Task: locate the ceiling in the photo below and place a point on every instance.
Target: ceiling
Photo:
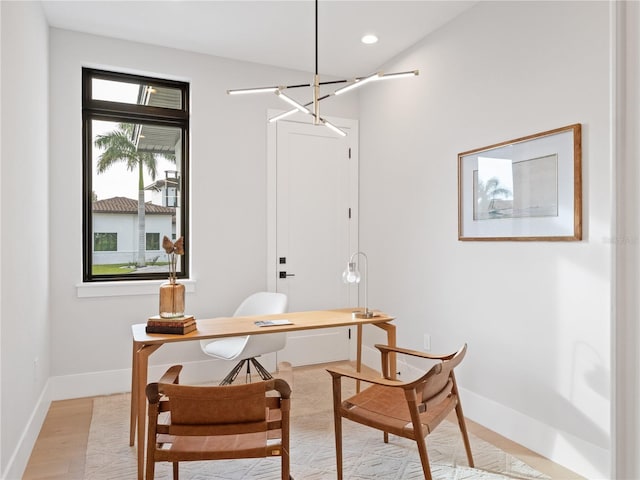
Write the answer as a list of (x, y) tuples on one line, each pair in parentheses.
[(279, 33)]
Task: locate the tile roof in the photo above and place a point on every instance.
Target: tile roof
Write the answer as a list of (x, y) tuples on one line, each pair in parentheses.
[(127, 205)]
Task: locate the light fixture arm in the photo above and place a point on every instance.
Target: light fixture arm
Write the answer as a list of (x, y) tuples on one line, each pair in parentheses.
[(315, 85), (271, 89)]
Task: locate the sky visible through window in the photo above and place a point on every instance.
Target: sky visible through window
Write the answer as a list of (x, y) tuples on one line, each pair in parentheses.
[(118, 181), (498, 168)]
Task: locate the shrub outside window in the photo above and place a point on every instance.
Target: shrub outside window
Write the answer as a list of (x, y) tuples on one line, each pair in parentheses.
[(135, 174), (105, 242), (153, 241)]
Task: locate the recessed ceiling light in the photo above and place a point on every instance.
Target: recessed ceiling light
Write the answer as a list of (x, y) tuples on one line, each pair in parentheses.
[(369, 39)]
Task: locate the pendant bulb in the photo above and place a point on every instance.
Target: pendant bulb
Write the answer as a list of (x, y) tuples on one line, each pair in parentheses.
[(292, 102), (333, 128)]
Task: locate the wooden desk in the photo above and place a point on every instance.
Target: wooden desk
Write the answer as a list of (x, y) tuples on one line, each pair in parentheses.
[(145, 344)]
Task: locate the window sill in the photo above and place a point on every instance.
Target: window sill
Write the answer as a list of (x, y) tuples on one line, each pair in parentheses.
[(117, 289)]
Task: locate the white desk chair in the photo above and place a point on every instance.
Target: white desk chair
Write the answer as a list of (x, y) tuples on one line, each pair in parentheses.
[(245, 349)]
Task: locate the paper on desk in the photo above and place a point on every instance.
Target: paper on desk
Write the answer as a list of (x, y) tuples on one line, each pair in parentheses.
[(271, 323)]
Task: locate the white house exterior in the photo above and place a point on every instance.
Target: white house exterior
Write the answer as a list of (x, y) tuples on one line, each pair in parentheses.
[(166, 191), (119, 216)]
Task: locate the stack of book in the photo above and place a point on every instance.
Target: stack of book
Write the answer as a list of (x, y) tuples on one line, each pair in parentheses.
[(180, 325)]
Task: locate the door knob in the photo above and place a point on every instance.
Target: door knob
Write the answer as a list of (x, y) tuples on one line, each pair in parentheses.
[(285, 274)]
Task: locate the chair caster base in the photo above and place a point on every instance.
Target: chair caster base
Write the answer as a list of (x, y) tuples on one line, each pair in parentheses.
[(233, 374)]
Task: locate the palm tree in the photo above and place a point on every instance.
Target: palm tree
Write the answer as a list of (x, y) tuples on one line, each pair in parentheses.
[(119, 146), (490, 191)]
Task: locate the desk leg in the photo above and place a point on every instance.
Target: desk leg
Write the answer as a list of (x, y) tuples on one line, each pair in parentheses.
[(141, 364), (391, 341), (359, 356), (134, 395)]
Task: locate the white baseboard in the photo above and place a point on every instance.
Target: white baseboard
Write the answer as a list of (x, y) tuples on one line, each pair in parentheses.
[(109, 382), (576, 454), (571, 452), (20, 455)]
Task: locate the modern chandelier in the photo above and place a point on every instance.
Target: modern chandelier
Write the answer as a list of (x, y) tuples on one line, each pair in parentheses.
[(313, 107)]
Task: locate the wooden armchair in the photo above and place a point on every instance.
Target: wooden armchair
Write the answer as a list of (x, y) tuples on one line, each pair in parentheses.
[(408, 409), (189, 423)]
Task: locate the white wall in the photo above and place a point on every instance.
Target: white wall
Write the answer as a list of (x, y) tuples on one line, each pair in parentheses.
[(536, 316), (228, 208), (24, 223)]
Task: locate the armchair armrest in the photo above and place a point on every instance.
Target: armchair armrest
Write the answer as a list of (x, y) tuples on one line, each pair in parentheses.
[(172, 375), (337, 373), (415, 353), (152, 390), (282, 387)]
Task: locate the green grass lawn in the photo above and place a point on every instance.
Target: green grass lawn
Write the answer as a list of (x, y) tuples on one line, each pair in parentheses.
[(118, 268), (113, 269)]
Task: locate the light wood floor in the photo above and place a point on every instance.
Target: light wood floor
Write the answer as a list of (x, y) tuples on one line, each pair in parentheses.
[(59, 453), (60, 449)]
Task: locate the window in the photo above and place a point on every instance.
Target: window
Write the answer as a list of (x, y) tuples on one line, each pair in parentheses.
[(105, 242), (153, 241), (135, 174)]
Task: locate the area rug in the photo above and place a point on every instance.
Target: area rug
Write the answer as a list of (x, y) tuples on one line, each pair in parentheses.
[(366, 456)]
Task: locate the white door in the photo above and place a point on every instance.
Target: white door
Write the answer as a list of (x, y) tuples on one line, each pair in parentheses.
[(315, 190)]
